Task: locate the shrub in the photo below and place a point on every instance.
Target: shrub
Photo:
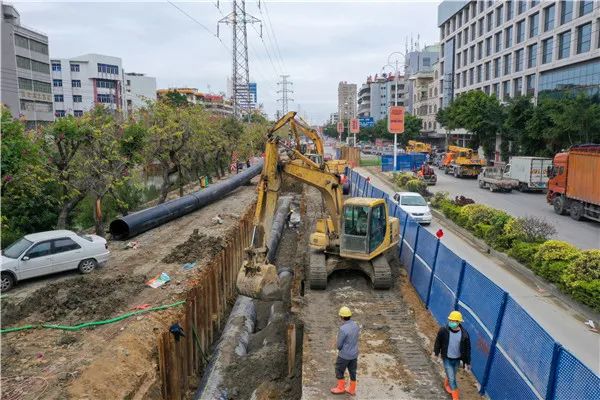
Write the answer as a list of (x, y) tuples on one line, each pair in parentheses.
[(530, 229), (523, 251), (450, 210), (473, 214), (438, 198), (552, 258), (402, 179), (581, 279), (418, 186)]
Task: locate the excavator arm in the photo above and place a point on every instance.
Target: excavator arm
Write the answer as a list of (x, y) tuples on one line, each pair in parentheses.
[(299, 126)]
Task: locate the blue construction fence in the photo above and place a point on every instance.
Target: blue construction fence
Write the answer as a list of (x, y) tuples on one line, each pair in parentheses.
[(404, 162), (513, 357)]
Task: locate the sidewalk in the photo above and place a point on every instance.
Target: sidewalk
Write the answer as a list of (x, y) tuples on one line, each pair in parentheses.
[(560, 321)]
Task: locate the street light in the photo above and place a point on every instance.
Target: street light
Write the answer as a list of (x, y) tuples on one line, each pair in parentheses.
[(396, 97)]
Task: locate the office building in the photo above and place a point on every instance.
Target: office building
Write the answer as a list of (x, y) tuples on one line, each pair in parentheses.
[(379, 93), (79, 83), (25, 81), (511, 48), (139, 89), (347, 101)]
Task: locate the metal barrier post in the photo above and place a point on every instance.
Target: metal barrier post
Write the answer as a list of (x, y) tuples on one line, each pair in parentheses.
[(402, 237), (460, 281), (437, 248), (550, 389), (412, 264), (488, 363)]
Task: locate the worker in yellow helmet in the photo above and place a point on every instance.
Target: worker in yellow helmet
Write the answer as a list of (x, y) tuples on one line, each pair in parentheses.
[(347, 346), (453, 344)]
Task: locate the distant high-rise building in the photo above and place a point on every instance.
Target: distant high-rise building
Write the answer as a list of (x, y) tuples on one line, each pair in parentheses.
[(25, 82), (379, 93), (347, 101), (253, 95)]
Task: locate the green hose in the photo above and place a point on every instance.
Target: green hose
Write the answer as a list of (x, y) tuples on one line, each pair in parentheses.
[(92, 323)]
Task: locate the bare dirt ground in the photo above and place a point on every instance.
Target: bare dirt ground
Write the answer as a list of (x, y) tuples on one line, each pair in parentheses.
[(117, 360)]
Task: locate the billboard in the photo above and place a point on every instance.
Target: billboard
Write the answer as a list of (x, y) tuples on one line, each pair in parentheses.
[(340, 127), (396, 120), (366, 122), (354, 125)]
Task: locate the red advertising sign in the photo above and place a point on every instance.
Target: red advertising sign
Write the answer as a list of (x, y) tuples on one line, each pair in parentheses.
[(340, 127), (354, 125), (396, 120)]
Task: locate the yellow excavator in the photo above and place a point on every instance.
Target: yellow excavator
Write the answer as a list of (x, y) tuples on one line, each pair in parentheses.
[(356, 233)]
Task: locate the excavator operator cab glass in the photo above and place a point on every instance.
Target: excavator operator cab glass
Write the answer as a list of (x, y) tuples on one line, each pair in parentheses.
[(363, 228), (356, 220)]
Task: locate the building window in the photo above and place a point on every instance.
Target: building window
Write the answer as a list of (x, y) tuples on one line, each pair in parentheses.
[(564, 45), (505, 90), (519, 60), (457, 60), (584, 38), (59, 113), (472, 58), (75, 83), (566, 11), (508, 37), (471, 76), (497, 67), (549, 15), (457, 83), (534, 3), (25, 84), (495, 89), (521, 6), (479, 50), (507, 63), (42, 87), (77, 98), (585, 7), (465, 58), (104, 83), (464, 79), (473, 31), (520, 31), (466, 37), (479, 74), (21, 41), (517, 87), (480, 26), (38, 47), (532, 55), (105, 98), (534, 25), (59, 98), (480, 6), (509, 10), (108, 69), (56, 67), (57, 82), (486, 71), (489, 19), (498, 40), (584, 76), (23, 62), (488, 46), (40, 67), (547, 50), (78, 113), (426, 61), (74, 67), (458, 40), (530, 84), (499, 16)]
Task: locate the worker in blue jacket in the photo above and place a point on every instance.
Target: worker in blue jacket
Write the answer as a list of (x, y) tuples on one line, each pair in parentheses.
[(347, 346)]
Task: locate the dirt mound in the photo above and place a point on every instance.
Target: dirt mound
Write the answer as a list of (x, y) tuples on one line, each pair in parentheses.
[(198, 246), (77, 300)]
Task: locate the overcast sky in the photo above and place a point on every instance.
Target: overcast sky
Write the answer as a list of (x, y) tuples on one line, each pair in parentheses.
[(317, 43)]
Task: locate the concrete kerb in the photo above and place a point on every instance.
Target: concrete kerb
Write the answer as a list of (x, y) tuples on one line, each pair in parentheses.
[(582, 310)]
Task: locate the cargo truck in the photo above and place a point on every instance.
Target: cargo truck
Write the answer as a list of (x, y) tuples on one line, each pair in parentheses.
[(574, 184), (530, 172)]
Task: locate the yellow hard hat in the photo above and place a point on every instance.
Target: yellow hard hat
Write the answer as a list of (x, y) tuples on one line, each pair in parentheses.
[(345, 312), (455, 316)]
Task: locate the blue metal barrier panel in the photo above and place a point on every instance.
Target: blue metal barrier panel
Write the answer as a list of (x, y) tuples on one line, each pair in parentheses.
[(441, 301), (481, 342), (482, 295), (411, 231), (420, 278), (505, 383), (447, 267), (376, 194), (528, 345), (426, 246), (574, 380), (406, 256)]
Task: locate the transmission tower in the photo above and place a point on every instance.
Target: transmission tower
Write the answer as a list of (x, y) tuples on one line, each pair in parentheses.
[(240, 75), (285, 90)]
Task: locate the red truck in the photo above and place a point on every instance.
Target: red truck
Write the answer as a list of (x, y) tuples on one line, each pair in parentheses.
[(574, 184)]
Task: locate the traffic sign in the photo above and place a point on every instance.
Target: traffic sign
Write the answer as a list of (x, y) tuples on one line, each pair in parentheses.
[(396, 119), (366, 122), (340, 127), (354, 125)]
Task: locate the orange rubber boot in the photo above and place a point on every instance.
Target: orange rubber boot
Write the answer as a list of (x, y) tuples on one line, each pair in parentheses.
[(447, 386), (351, 388), (455, 394), (340, 388)]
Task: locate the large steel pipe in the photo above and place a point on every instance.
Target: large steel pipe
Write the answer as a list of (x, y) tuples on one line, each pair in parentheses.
[(141, 221)]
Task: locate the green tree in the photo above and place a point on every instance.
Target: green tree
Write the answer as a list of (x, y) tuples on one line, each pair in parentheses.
[(176, 99), (579, 120), (519, 111)]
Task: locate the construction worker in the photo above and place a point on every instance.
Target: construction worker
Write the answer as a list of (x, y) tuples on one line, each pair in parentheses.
[(347, 346), (361, 222), (453, 344)]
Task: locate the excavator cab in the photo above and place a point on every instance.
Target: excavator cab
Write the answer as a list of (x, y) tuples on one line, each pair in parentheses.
[(364, 226)]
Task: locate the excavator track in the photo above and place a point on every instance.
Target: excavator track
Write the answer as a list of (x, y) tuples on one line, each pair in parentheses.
[(317, 270), (382, 273)]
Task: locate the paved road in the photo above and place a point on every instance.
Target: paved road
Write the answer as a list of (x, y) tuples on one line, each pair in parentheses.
[(583, 234), (564, 324)]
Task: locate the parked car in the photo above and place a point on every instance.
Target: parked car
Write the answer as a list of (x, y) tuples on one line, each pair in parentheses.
[(415, 205), (44, 253)]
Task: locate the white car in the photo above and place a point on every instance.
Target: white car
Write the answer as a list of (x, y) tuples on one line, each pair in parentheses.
[(415, 205), (49, 252)]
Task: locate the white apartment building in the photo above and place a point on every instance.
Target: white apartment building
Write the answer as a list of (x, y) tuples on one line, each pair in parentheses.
[(379, 93), (426, 99), (347, 102), (416, 61), (26, 84), (139, 88), (510, 48), (79, 83)]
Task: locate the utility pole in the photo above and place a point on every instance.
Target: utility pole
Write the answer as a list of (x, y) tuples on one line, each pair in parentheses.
[(285, 90), (240, 75)]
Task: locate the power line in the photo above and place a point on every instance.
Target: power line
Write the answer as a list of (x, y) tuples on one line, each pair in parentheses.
[(268, 53), (199, 23), (278, 51)]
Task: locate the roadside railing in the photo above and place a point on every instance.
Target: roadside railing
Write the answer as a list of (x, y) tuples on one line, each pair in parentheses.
[(513, 357)]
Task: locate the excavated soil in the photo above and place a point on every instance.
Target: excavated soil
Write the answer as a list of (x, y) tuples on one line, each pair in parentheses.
[(197, 247)]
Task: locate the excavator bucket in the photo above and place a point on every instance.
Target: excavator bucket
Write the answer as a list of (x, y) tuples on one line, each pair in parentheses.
[(259, 282)]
